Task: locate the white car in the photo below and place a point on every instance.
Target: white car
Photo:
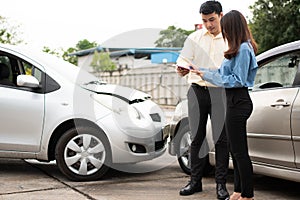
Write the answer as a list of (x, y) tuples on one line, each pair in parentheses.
[(53, 110), (273, 129)]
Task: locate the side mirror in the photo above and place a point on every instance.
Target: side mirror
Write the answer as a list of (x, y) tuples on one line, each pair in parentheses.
[(27, 81)]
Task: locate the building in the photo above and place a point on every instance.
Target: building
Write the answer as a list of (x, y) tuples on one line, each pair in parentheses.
[(147, 69), (131, 58)]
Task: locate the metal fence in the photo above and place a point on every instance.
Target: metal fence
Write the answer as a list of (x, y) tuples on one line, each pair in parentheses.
[(160, 81)]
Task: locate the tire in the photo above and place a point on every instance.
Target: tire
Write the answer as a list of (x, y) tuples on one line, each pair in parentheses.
[(182, 145), (83, 162)]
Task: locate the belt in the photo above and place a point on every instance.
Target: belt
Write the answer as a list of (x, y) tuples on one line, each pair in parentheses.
[(199, 86)]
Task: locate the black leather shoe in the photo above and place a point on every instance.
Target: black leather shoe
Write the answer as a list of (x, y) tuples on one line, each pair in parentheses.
[(222, 192), (191, 188)]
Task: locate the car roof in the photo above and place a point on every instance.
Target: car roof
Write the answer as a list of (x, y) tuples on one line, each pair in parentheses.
[(279, 50), (62, 68)]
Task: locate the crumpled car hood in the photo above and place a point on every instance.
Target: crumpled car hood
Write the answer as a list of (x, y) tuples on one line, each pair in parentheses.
[(125, 93)]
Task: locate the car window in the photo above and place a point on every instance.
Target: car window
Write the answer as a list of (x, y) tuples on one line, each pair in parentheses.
[(29, 69), (17, 66), (279, 72), (5, 61)]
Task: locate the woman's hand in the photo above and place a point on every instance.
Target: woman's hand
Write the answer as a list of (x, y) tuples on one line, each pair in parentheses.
[(199, 73)]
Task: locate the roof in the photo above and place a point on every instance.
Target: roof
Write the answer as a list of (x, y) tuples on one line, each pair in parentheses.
[(279, 50), (137, 52)]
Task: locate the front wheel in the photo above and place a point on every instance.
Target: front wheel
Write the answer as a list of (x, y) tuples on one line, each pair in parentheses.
[(83, 154), (182, 144)]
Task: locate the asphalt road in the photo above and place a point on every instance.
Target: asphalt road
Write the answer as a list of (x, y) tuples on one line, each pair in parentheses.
[(157, 179)]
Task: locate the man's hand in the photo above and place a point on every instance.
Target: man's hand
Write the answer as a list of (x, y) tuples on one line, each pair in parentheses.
[(182, 71)]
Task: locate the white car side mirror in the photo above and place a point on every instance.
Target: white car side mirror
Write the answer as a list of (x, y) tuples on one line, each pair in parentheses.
[(27, 81)]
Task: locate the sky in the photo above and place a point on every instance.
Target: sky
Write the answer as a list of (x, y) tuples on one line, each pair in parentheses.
[(62, 23)]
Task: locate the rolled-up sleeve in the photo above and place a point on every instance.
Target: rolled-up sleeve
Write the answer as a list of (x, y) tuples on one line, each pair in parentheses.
[(235, 72), (212, 76)]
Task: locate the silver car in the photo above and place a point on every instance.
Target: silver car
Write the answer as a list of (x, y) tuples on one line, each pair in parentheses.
[(52, 110), (274, 126)]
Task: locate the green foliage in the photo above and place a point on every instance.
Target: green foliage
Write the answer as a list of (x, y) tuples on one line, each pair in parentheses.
[(172, 37), (81, 45), (51, 51), (70, 59), (102, 62), (63, 54), (275, 22), (9, 33), (85, 44)]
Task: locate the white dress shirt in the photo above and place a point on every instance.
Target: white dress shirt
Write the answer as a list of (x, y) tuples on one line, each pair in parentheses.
[(202, 49)]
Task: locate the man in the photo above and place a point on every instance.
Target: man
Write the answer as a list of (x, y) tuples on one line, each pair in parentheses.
[(205, 48)]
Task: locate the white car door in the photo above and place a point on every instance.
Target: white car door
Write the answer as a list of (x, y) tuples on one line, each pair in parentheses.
[(269, 126), (21, 112)]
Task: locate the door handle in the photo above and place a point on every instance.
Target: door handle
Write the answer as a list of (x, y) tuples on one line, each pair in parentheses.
[(280, 103)]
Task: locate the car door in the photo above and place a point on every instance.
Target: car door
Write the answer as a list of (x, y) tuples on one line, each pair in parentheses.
[(21, 109), (273, 96), (296, 118), (296, 129)]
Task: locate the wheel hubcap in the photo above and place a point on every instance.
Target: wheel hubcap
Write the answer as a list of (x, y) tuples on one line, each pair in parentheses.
[(84, 154), (185, 144)]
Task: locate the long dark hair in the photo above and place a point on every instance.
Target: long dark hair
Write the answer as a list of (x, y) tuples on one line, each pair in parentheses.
[(236, 31)]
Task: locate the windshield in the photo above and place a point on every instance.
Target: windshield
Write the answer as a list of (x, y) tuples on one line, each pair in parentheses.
[(63, 68), (71, 72)]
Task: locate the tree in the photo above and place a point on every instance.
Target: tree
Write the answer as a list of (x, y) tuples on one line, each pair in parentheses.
[(9, 33), (65, 54), (275, 22), (51, 51), (85, 44), (172, 37), (71, 59), (81, 45), (102, 62)]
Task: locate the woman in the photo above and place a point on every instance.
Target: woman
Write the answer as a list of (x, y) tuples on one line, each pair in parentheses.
[(236, 74)]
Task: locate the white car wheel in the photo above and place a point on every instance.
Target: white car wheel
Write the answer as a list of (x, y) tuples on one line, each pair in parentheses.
[(83, 154)]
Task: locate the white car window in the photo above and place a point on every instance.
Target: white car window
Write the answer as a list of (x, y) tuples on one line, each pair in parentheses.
[(31, 70)]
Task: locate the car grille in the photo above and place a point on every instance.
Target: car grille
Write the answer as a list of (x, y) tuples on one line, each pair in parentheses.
[(160, 145)]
